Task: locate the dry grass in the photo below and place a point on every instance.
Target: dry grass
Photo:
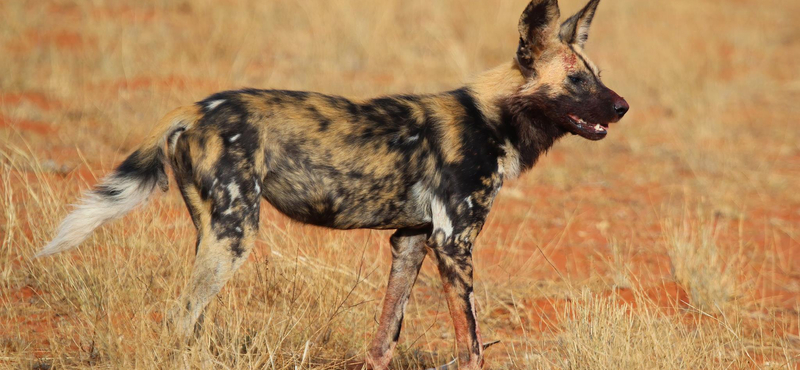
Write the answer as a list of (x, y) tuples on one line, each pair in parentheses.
[(708, 273), (600, 333), (588, 261)]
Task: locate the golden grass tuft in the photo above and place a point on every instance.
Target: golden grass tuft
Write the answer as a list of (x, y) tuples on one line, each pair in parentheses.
[(601, 333), (709, 274)]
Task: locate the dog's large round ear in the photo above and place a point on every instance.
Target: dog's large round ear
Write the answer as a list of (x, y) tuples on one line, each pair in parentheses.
[(537, 27), (575, 30)]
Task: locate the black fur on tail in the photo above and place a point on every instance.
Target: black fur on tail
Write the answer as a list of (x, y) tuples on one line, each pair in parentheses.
[(148, 171)]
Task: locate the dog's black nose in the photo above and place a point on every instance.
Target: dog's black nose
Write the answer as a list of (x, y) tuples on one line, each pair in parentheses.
[(621, 107)]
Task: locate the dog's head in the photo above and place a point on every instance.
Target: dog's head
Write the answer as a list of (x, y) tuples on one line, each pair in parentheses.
[(560, 81)]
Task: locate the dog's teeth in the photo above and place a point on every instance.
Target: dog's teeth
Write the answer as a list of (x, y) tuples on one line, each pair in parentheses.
[(599, 128)]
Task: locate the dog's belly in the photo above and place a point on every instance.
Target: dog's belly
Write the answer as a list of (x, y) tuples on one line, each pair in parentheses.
[(324, 197)]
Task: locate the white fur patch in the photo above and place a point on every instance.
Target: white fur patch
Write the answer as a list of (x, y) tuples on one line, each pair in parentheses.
[(403, 309), (422, 197), (95, 210), (174, 141), (211, 189), (509, 165), (468, 200), (472, 308), (258, 193), (233, 190), (234, 138), (419, 192), (441, 221), (213, 104)]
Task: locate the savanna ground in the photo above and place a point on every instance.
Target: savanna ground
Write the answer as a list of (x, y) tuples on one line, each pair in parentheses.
[(672, 244)]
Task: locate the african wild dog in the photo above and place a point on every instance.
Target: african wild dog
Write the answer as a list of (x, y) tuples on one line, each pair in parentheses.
[(426, 165)]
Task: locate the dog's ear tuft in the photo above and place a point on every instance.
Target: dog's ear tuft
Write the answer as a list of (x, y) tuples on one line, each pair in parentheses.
[(575, 30), (537, 27)]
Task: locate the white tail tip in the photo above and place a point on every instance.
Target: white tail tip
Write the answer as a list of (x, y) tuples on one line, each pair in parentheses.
[(121, 196)]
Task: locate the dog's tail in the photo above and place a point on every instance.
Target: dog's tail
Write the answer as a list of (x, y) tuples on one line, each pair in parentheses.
[(129, 185)]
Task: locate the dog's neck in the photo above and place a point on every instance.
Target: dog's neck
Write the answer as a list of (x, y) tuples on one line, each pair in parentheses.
[(519, 118)]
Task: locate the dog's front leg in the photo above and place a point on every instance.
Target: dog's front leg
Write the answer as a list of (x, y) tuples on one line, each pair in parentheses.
[(408, 253), (455, 228), (455, 267)]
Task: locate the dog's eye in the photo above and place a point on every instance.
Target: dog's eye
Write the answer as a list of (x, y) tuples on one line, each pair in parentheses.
[(576, 80)]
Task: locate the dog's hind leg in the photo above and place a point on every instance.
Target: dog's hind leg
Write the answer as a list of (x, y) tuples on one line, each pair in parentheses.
[(226, 235), (225, 211), (408, 253)]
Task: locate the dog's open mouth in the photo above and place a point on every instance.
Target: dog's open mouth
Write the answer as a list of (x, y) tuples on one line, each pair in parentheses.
[(593, 131)]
